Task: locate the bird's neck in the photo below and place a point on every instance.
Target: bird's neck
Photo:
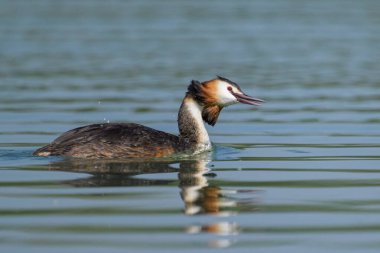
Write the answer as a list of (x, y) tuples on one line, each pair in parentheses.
[(193, 134)]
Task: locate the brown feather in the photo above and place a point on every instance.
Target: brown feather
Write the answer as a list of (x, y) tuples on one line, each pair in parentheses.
[(210, 114), (204, 93), (112, 140)]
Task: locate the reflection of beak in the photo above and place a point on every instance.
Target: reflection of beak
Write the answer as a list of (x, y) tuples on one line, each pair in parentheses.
[(245, 99)]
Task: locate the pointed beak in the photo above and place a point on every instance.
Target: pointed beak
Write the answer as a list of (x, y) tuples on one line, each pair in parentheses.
[(245, 99)]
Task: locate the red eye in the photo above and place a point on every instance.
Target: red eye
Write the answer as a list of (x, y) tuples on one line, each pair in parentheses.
[(229, 88)]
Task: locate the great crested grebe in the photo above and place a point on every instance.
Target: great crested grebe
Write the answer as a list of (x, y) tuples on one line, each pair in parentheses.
[(129, 140)]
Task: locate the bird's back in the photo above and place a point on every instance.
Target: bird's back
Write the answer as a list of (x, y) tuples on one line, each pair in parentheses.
[(112, 140)]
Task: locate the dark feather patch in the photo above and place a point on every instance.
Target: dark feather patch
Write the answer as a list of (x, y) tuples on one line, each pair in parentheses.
[(112, 140), (195, 90), (210, 114), (194, 87)]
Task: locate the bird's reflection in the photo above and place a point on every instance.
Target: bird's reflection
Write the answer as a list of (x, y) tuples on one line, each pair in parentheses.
[(114, 172), (199, 196)]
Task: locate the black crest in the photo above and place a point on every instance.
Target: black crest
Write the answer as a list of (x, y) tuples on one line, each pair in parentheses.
[(195, 89), (228, 81)]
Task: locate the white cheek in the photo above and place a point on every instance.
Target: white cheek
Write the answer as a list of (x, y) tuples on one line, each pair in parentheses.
[(225, 97)]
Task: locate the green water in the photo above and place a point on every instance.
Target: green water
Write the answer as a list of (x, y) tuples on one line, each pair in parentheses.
[(299, 174)]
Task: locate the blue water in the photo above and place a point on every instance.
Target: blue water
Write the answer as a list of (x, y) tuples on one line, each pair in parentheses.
[(299, 174)]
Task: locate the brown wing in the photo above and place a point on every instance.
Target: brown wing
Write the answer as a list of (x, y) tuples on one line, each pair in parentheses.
[(112, 141)]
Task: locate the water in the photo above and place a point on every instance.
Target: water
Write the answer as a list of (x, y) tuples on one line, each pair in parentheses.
[(301, 173)]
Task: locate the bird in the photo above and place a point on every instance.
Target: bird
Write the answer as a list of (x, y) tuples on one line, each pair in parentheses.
[(203, 102)]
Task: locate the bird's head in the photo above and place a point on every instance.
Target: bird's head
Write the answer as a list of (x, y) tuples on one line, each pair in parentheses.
[(217, 93)]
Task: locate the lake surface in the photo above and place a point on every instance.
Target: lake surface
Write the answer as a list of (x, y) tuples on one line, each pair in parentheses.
[(299, 174)]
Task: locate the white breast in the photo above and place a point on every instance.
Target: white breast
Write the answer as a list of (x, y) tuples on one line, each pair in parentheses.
[(195, 111)]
